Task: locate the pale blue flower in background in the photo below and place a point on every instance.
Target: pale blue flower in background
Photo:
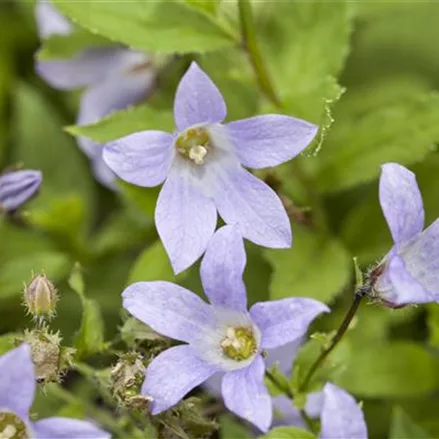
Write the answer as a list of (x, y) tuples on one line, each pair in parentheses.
[(201, 166), (113, 78), (18, 187), (221, 337), (17, 391)]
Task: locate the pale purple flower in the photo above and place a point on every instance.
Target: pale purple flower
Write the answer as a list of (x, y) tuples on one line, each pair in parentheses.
[(221, 337), (17, 390), (113, 78), (202, 167), (410, 271), (18, 187), (341, 416)]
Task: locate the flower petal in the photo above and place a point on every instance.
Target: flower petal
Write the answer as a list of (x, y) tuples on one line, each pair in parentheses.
[(341, 416), (401, 202), (283, 321), (245, 394), (405, 288), (17, 380), (49, 21), (270, 140), (173, 374), (197, 100), (143, 159), (222, 269), (169, 309), (185, 219), (243, 199), (17, 187), (68, 428)]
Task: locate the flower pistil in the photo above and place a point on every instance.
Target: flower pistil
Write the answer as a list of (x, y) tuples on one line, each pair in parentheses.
[(239, 343)]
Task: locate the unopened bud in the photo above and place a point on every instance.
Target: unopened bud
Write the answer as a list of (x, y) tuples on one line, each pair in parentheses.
[(40, 297), (127, 377)]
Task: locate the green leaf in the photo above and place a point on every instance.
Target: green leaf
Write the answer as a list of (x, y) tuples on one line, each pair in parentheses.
[(288, 433), (67, 46), (209, 6), (121, 123), (90, 337), (7, 342), (153, 264), (402, 131), (231, 429), (390, 370), (433, 324), (314, 267), (168, 27), (41, 144), (404, 427)]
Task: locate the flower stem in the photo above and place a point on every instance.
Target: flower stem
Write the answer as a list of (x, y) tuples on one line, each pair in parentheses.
[(285, 390), (251, 45), (359, 294)]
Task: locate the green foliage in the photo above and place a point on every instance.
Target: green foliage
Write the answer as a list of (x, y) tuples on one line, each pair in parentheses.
[(166, 27), (391, 370), (90, 337), (288, 433), (231, 429), (404, 427), (314, 267)]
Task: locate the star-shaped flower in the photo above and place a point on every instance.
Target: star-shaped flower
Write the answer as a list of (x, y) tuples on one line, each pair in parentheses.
[(409, 272), (18, 187), (222, 337), (202, 167), (113, 77), (17, 389)]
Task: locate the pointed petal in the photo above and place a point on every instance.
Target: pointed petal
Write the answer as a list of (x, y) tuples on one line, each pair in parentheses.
[(421, 258), (197, 100), (17, 380), (283, 321), (405, 288), (341, 416), (243, 199), (18, 187), (169, 309), (49, 21), (143, 159), (270, 140), (185, 219), (68, 428), (222, 269), (102, 172), (172, 375), (245, 394), (401, 202)]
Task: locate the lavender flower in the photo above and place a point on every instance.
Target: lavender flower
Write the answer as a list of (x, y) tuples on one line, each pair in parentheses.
[(202, 165), (222, 337), (18, 187), (17, 389), (114, 78), (341, 416), (409, 272)]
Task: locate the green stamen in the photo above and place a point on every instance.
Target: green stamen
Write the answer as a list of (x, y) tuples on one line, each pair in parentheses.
[(12, 427), (239, 344), (194, 144)]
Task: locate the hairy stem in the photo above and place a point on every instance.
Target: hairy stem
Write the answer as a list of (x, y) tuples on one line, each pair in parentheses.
[(359, 294)]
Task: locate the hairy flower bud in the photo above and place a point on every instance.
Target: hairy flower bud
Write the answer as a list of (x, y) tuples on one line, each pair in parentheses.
[(127, 377), (40, 297), (18, 187)]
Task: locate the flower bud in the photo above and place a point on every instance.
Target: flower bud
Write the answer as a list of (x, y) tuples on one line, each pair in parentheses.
[(18, 187), (40, 297), (127, 377)]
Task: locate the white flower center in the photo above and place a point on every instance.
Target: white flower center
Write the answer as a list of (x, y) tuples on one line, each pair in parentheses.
[(239, 343), (8, 432), (194, 144), (12, 426)]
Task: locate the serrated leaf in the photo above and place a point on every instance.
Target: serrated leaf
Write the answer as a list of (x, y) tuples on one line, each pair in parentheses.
[(315, 267), (67, 46), (121, 123), (404, 427), (288, 433), (167, 27), (153, 264), (90, 336), (390, 370), (404, 131)]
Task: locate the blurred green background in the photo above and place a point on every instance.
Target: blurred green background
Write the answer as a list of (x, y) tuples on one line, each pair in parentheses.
[(367, 72)]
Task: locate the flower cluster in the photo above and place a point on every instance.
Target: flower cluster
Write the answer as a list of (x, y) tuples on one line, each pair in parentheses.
[(113, 78)]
